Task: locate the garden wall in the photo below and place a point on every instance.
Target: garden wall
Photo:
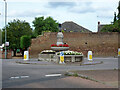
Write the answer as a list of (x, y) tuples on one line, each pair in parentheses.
[(102, 44)]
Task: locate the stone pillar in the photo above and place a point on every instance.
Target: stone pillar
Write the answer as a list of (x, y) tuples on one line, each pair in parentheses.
[(59, 38), (73, 58)]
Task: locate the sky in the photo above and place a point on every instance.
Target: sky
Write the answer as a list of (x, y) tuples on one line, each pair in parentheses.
[(85, 13)]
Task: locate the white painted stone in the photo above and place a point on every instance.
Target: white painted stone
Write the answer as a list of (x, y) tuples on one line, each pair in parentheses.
[(90, 56), (26, 55), (118, 51)]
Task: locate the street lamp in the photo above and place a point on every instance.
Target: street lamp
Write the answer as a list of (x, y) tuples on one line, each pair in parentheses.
[(5, 27)]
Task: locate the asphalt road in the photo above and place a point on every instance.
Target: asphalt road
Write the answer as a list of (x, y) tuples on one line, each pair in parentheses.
[(16, 75)]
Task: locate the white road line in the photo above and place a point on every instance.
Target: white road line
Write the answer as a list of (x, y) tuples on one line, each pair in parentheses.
[(24, 76), (105, 58), (19, 77), (14, 77), (53, 75)]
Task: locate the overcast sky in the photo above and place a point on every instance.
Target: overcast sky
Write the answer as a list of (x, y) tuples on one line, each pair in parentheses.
[(83, 12)]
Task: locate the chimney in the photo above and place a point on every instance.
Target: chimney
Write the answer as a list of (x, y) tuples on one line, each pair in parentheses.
[(98, 26), (98, 22)]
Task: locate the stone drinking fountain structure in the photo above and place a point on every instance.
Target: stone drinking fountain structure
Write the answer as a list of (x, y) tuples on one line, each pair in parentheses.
[(54, 54)]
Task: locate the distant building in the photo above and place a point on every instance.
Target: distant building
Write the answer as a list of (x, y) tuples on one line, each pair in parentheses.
[(70, 26)]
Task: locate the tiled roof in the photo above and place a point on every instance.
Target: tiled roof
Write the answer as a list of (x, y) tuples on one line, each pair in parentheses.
[(71, 26)]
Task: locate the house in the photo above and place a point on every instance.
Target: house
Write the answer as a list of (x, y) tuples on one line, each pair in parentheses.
[(70, 26)]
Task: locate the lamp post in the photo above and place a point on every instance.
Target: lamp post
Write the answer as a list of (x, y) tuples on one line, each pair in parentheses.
[(5, 27)]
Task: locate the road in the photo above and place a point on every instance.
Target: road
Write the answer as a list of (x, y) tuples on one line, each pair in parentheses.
[(15, 75)]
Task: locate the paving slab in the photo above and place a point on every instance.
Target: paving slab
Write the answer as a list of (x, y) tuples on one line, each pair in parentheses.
[(107, 77)]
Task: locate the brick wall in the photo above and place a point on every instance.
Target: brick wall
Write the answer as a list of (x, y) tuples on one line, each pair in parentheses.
[(9, 54), (102, 44)]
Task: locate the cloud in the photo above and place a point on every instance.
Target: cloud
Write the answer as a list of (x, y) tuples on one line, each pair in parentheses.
[(82, 7), (61, 4), (27, 13), (92, 7), (102, 14)]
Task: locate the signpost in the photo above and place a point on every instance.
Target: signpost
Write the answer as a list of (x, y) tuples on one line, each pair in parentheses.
[(62, 58)]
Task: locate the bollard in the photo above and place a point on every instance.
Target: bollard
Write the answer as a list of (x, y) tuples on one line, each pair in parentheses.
[(26, 55), (90, 56), (118, 51), (61, 58)]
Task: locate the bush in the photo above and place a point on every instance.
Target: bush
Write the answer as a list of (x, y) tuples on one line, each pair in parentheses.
[(25, 42)]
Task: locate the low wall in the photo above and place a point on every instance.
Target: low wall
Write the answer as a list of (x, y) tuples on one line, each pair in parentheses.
[(102, 44), (56, 58), (9, 54)]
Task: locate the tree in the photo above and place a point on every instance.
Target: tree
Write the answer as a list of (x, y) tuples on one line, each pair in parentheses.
[(51, 25), (118, 11), (38, 23), (111, 28), (15, 30), (25, 42), (115, 27), (48, 24), (115, 19)]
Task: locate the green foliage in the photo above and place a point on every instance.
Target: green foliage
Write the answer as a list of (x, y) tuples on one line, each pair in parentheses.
[(63, 31), (25, 42), (48, 24), (71, 31), (112, 27), (115, 27), (115, 18), (15, 30), (51, 24), (118, 11), (38, 23)]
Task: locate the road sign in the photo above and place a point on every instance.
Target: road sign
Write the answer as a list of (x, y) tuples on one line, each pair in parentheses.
[(61, 58)]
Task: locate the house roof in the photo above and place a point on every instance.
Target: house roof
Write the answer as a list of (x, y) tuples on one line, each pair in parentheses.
[(71, 26)]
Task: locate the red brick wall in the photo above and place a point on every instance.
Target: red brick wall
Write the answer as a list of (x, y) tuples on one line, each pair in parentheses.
[(102, 44), (9, 54)]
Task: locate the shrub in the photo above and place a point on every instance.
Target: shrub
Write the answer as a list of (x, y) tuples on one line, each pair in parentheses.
[(25, 42)]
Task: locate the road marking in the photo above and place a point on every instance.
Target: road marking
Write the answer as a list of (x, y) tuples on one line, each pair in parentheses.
[(14, 77), (24, 76), (53, 75), (19, 77), (105, 58)]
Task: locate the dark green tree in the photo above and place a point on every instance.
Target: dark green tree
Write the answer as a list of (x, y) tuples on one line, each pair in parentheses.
[(51, 25), (118, 11), (38, 23), (115, 27), (15, 30), (115, 18), (25, 42), (48, 24)]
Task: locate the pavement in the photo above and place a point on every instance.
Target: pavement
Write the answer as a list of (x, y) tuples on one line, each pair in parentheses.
[(106, 77), (36, 74)]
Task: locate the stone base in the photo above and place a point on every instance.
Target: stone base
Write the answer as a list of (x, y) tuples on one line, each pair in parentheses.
[(56, 58)]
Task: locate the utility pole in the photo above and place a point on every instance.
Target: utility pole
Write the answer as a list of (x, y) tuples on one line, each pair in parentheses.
[(5, 27)]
